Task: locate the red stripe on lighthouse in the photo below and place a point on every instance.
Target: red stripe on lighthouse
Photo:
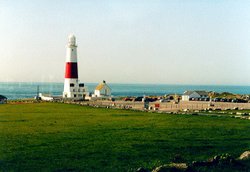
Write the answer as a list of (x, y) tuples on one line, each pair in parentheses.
[(71, 70)]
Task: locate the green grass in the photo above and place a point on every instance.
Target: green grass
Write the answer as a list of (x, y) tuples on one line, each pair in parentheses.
[(63, 137), (227, 113)]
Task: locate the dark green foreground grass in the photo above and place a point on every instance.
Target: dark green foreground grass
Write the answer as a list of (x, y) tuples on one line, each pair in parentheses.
[(62, 137)]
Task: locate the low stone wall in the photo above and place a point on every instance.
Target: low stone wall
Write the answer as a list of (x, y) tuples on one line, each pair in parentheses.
[(169, 106)]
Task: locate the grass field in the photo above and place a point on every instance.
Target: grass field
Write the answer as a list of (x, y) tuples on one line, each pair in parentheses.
[(64, 137)]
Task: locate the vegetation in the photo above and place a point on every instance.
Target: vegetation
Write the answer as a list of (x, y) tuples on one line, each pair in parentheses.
[(224, 95), (64, 137)]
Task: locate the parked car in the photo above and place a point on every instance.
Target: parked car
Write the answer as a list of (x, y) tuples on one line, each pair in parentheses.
[(207, 99), (128, 99), (138, 99), (242, 101), (223, 100), (171, 98), (164, 100), (239, 101), (149, 99), (216, 99)]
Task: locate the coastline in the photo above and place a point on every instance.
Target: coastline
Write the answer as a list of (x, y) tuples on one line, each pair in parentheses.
[(19, 90)]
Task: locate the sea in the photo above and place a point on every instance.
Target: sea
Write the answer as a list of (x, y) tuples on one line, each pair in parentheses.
[(20, 90)]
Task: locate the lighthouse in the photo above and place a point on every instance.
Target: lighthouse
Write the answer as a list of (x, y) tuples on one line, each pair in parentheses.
[(72, 88)]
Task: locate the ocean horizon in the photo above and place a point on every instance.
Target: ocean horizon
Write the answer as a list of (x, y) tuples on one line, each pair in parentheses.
[(19, 90)]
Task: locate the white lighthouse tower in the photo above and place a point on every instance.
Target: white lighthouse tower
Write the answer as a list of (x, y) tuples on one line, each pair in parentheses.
[(72, 88)]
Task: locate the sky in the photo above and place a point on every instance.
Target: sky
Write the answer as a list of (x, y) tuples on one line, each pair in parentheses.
[(149, 41)]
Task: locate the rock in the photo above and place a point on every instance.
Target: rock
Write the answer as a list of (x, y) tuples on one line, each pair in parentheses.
[(214, 160), (245, 155), (176, 167), (223, 159), (226, 159), (244, 114), (161, 168), (141, 169)]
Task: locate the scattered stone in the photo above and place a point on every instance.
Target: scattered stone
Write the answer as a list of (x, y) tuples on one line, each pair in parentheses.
[(141, 169), (214, 162), (219, 162), (226, 159), (244, 114), (238, 113), (245, 155), (177, 167), (236, 108)]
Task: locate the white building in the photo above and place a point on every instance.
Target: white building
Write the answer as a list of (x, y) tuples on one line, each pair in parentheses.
[(72, 87), (46, 97), (102, 90), (187, 95)]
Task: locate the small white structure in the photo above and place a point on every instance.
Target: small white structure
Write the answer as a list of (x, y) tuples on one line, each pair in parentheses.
[(46, 97), (187, 95), (102, 90)]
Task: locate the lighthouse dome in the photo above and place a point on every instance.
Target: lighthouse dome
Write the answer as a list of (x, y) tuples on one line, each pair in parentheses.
[(72, 39)]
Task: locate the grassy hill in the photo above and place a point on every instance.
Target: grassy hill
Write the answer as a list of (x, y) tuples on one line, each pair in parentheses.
[(64, 137)]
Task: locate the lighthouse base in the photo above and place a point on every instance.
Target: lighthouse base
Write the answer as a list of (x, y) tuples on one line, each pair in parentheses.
[(74, 90)]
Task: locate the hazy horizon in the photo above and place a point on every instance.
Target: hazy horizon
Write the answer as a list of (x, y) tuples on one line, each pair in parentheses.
[(125, 83), (147, 42)]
